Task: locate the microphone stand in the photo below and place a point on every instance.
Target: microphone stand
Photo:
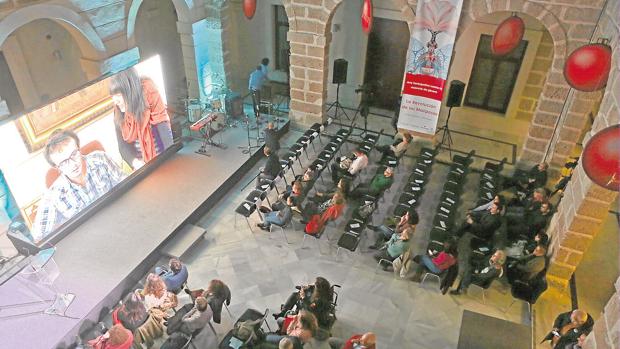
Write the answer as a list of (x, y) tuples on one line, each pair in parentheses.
[(248, 149)]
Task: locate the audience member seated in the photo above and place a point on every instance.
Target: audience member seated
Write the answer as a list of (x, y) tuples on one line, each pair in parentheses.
[(525, 182), (290, 343), (486, 206), (378, 184), (303, 326), (217, 293), (407, 222), (191, 317), (272, 167), (397, 148), (482, 224), (117, 337), (539, 239), (580, 343), (175, 276), (296, 192), (568, 327), (157, 297), (281, 217), (132, 313), (348, 166), (329, 209), (343, 187), (357, 341), (531, 223), (440, 262), (397, 245), (316, 298), (482, 275), (527, 267)]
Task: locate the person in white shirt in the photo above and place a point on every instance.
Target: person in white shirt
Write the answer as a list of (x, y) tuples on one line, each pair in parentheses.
[(353, 167), (396, 149)]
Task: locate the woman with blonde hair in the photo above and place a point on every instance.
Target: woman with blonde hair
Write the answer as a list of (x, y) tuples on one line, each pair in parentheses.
[(156, 294)]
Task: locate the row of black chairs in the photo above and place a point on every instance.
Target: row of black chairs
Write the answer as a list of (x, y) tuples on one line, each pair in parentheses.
[(415, 186), (368, 143), (261, 193), (445, 215), (491, 180)]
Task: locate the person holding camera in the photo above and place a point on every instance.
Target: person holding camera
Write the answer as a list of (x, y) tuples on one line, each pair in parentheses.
[(316, 298)]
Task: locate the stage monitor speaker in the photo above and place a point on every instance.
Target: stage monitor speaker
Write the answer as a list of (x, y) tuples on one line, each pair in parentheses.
[(455, 94), (234, 104), (340, 71)]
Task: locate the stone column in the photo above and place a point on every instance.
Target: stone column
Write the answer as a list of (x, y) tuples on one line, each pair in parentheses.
[(308, 70), (606, 332)]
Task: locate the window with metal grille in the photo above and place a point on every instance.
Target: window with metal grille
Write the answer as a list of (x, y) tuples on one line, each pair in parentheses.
[(493, 77)]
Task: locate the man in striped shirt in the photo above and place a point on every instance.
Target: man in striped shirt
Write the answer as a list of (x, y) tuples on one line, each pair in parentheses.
[(82, 180)]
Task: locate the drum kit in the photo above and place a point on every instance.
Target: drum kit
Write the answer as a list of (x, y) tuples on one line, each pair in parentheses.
[(202, 120)]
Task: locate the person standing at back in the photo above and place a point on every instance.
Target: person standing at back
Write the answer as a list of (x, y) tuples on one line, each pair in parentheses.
[(257, 78)]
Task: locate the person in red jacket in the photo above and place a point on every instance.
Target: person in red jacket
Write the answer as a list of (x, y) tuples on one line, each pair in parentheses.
[(363, 341)]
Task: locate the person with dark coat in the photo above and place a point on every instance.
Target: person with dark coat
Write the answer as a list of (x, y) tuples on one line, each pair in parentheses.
[(482, 275), (217, 293), (532, 223), (271, 137), (272, 167), (568, 327), (528, 267), (482, 224), (536, 177)]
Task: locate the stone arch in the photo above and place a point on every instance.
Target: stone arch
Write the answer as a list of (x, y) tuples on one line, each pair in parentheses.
[(478, 9), (310, 37), (555, 91), (181, 6), (84, 34)]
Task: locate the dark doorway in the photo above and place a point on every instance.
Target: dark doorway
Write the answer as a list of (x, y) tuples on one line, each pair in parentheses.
[(8, 90), (385, 61)]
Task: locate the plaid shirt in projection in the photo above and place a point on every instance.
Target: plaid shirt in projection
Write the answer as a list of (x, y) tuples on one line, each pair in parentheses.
[(64, 199)]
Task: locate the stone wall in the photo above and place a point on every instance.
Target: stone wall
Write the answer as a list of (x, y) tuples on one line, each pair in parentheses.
[(536, 79), (585, 204), (606, 332)]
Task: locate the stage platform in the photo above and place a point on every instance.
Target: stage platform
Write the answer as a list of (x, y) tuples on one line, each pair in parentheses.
[(106, 255)]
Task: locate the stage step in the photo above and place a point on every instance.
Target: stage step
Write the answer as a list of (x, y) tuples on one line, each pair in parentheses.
[(182, 241)]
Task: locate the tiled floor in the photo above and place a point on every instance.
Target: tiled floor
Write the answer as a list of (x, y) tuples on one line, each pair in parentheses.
[(262, 270)]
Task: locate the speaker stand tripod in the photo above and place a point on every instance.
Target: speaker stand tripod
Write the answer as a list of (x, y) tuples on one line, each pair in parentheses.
[(446, 138), (337, 105)]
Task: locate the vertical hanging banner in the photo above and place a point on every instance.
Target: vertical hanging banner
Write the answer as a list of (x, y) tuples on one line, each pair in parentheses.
[(430, 51)]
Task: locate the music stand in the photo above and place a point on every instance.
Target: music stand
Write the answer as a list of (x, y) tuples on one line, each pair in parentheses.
[(42, 271), (337, 105)]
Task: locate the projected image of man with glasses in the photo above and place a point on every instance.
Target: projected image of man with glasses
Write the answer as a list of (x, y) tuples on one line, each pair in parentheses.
[(82, 180)]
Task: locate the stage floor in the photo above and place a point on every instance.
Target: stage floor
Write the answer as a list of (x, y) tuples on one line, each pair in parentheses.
[(98, 258)]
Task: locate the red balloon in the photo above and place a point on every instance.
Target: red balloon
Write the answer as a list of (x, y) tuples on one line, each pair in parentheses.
[(587, 68), (601, 158), (507, 36), (249, 8), (367, 16)]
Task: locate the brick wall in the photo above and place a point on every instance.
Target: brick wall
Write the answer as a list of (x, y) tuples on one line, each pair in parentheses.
[(606, 332)]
